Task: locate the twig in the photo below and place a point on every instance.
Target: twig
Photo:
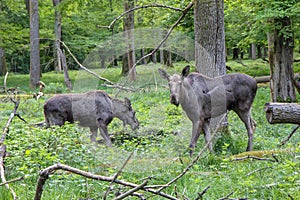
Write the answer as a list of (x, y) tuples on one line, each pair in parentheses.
[(257, 170), (44, 175), (227, 196), (200, 194), (255, 158), (130, 192), (116, 175), (13, 180), (289, 136), (111, 25)]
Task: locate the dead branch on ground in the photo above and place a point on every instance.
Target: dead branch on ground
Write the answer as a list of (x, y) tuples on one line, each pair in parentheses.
[(13, 180), (44, 175), (289, 136), (3, 148), (200, 194), (255, 158), (116, 175)]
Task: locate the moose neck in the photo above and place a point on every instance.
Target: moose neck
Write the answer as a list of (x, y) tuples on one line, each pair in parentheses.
[(117, 108)]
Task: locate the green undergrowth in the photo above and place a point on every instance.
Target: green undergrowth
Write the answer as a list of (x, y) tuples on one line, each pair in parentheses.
[(159, 147)]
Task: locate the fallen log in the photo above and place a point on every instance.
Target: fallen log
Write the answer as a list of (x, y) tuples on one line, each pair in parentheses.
[(282, 113), (265, 79)]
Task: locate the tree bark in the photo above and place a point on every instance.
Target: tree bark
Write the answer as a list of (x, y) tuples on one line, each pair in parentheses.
[(281, 63), (35, 69), (57, 31), (128, 31), (210, 37), (253, 51), (210, 55), (282, 113), (3, 68)]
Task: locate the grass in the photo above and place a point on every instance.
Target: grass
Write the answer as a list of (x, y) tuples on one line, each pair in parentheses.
[(160, 146)]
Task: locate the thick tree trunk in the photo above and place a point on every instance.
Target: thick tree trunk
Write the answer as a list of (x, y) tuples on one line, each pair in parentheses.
[(35, 69), (128, 31), (282, 113), (3, 68), (281, 64), (210, 55), (235, 53)]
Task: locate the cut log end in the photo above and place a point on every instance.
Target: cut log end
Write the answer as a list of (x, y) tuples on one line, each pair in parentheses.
[(282, 113)]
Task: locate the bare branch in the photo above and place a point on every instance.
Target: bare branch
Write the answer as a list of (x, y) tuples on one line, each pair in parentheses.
[(44, 175), (3, 148), (184, 13), (253, 157), (83, 67), (200, 194), (289, 136), (130, 192), (117, 174), (111, 26), (13, 180)]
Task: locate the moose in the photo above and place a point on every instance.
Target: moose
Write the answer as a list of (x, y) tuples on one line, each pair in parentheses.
[(93, 109), (203, 98)]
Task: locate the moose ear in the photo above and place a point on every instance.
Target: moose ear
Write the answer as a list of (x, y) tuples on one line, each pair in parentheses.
[(127, 102), (163, 74), (185, 72)]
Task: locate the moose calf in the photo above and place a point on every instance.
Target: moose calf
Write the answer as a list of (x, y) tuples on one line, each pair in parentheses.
[(94, 109)]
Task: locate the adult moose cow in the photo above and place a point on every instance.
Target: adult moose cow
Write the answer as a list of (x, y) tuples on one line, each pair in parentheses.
[(94, 109), (202, 98)]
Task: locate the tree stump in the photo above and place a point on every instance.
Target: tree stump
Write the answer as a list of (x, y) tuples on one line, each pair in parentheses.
[(282, 113)]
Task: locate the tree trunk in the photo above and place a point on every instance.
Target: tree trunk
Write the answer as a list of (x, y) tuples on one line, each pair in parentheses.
[(281, 64), (154, 58), (282, 113), (210, 55), (253, 51), (3, 68), (65, 68), (57, 31), (128, 31), (35, 69), (259, 51), (235, 53)]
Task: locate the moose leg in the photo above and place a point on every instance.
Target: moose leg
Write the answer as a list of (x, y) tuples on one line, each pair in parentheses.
[(207, 135), (93, 133), (103, 132), (250, 124), (197, 127)]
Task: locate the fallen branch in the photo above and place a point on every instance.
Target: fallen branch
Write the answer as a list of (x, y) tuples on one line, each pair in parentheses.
[(116, 175), (200, 194), (3, 148), (253, 157), (289, 136), (12, 181), (44, 175), (130, 192)]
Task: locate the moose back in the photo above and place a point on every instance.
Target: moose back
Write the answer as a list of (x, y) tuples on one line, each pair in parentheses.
[(94, 109)]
